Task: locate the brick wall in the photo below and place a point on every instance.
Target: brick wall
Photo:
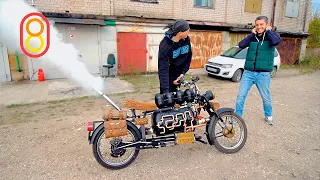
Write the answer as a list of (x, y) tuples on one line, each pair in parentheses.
[(293, 24), (230, 11), (163, 9), (75, 6), (236, 14), (185, 9)]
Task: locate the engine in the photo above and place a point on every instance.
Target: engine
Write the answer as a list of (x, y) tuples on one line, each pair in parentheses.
[(167, 119)]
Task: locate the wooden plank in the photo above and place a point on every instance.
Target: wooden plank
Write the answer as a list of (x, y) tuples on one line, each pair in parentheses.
[(15, 74)]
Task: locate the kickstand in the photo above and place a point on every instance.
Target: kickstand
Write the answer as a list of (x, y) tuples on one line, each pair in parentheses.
[(199, 138)]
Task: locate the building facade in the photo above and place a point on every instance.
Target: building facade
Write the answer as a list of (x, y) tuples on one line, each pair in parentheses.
[(131, 30)]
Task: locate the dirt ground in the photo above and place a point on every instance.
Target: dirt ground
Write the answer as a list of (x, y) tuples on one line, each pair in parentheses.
[(49, 140)]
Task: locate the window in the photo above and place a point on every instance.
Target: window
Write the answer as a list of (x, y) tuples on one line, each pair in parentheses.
[(242, 54), (203, 3), (275, 53), (236, 52), (147, 1), (292, 9), (231, 52), (253, 6)]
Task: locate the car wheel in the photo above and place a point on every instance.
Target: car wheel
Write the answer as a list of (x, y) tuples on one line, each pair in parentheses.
[(237, 76), (274, 72)]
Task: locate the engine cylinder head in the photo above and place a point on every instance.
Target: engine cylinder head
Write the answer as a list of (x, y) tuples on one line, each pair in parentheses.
[(179, 97), (188, 95)]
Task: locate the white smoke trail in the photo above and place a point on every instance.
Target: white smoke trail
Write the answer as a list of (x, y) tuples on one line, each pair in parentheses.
[(64, 56)]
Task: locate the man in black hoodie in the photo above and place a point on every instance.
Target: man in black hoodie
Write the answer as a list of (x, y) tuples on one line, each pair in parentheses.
[(174, 56)]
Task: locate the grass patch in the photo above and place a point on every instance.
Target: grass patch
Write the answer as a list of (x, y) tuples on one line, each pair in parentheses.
[(52, 107), (150, 83), (287, 66), (143, 83), (308, 65), (21, 105), (58, 101), (49, 102), (68, 100), (18, 118), (311, 62)]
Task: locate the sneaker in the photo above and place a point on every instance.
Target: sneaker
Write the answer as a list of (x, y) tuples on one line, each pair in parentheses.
[(269, 120)]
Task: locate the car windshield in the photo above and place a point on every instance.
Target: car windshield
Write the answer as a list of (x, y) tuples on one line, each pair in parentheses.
[(235, 52)]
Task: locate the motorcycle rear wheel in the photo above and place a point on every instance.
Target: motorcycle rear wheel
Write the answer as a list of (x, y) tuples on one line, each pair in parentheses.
[(115, 159)]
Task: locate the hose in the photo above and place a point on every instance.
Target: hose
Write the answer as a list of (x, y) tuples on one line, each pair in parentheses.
[(18, 61)]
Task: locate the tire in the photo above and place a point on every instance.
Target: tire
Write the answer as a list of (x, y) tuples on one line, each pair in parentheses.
[(274, 72), (237, 76), (97, 154), (212, 133)]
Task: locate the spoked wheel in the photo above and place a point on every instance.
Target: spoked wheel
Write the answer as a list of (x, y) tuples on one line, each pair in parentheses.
[(229, 134), (106, 153)]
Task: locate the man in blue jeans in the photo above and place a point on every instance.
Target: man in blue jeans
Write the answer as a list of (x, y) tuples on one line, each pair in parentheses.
[(259, 63)]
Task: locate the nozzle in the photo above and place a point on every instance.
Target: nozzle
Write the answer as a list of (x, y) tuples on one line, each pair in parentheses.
[(107, 99)]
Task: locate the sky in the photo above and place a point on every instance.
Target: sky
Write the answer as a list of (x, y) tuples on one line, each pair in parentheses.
[(315, 5)]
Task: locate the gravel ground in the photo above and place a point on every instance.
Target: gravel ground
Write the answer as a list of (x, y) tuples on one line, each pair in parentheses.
[(49, 141)]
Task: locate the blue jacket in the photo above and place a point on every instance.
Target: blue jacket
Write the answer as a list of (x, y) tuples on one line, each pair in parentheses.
[(272, 37)]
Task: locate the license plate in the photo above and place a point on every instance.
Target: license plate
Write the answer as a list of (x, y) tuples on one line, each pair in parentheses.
[(184, 138), (212, 69)]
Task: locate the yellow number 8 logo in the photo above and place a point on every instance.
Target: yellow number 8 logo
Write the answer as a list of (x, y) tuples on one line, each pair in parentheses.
[(43, 21), (37, 35)]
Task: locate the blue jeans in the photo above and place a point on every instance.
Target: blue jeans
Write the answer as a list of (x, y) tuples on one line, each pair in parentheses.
[(262, 82)]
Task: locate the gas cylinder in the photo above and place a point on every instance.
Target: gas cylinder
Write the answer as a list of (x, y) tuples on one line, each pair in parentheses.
[(40, 75)]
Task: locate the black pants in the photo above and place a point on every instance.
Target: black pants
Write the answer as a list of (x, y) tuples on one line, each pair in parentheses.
[(172, 87)]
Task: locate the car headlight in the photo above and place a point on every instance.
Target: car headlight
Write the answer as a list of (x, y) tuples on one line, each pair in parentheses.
[(227, 66)]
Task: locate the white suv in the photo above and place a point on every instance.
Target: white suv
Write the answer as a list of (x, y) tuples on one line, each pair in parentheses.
[(230, 64)]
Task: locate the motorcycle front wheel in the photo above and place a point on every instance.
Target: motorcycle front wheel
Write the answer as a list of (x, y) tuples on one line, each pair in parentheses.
[(229, 134)]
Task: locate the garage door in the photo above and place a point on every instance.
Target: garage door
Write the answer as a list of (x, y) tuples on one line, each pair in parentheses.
[(85, 39), (205, 45), (132, 53)]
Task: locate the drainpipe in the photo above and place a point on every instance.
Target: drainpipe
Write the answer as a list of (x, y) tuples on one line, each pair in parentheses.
[(32, 3), (305, 15), (273, 12)]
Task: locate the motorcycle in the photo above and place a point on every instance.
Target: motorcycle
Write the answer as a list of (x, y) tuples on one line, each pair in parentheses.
[(171, 120)]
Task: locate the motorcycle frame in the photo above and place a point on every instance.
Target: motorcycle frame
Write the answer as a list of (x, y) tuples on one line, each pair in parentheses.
[(161, 141)]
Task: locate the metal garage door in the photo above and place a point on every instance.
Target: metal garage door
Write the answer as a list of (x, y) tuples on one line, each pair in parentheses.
[(205, 45), (85, 38), (132, 53)]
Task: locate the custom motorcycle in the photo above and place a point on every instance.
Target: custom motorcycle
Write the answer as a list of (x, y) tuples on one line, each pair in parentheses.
[(173, 119)]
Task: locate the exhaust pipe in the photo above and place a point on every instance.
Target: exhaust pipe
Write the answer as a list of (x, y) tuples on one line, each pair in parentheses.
[(107, 99)]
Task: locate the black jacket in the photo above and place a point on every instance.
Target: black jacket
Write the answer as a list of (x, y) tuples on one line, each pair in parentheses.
[(174, 58)]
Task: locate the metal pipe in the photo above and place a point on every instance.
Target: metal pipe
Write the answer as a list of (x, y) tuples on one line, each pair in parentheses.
[(273, 12), (107, 99), (305, 16)]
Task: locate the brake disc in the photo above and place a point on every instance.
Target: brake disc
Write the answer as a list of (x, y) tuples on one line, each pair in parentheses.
[(114, 151)]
